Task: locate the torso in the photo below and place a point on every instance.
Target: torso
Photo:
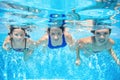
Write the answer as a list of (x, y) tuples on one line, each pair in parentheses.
[(18, 48), (53, 47), (90, 47)]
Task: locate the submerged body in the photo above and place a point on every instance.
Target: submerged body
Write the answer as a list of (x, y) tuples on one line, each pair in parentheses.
[(56, 38), (97, 43), (17, 41)]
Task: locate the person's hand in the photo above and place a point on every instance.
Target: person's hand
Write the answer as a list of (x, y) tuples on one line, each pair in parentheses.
[(6, 48), (77, 62), (118, 62)]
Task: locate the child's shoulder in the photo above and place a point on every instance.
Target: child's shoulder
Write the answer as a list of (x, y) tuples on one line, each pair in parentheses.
[(86, 40), (8, 39), (29, 41), (111, 41)]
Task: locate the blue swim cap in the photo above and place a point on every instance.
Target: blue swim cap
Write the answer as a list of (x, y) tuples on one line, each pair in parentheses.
[(57, 15), (57, 19)]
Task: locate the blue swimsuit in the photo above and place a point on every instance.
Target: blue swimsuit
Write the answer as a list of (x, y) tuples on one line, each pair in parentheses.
[(53, 47), (19, 49)]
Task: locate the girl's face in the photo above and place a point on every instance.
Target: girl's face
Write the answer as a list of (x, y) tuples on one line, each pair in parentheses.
[(102, 36), (18, 35), (56, 36)]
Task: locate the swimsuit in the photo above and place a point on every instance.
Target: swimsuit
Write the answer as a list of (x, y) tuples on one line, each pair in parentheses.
[(53, 47), (19, 49)]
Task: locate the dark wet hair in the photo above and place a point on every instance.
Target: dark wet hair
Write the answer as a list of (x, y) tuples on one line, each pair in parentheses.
[(62, 28), (98, 27), (93, 31), (12, 29)]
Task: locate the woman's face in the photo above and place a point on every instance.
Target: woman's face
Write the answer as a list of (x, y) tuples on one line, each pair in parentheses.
[(18, 35), (102, 36), (56, 36)]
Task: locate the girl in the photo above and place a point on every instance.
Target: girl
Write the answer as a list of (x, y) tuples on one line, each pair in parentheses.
[(19, 41)]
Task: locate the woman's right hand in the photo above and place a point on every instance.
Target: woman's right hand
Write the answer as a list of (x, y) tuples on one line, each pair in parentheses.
[(77, 62)]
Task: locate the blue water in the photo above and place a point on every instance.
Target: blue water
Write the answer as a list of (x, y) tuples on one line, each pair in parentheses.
[(58, 63)]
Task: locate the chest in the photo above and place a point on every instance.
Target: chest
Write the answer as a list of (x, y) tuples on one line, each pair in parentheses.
[(98, 48), (17, 45), (91, 48)]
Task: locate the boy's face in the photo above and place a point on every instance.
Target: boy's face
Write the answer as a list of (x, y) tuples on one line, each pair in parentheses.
[(101, 36), (56, 36), (18, 34)]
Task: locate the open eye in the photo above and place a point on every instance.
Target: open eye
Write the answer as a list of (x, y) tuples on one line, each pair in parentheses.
[(52, 33), (16, 34), (97, 33), (106, 33), (21, 35), (59, 33)]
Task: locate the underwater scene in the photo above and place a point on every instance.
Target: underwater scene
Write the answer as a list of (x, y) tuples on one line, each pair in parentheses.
[(59, 39)]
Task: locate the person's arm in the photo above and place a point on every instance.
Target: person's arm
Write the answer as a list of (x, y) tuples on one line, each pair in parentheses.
[(42, 40), (111, 51), (27, 54), (31, 45), (81, 44), (88, 23), (77, 62), (69, 39), (4, 46), (6, 43)]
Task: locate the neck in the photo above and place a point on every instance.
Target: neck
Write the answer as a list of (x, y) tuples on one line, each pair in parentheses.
[(18, 42), (56, 44), (96, 43)]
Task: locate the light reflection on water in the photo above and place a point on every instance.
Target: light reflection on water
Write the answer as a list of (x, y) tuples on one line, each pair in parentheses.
[(60, 63)]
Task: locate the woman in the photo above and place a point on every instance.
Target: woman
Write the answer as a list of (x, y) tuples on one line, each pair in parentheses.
[(56, 37)]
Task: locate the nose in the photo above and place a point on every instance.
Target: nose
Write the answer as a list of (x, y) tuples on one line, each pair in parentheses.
[(55, 37), (19, 37), (102, 36)]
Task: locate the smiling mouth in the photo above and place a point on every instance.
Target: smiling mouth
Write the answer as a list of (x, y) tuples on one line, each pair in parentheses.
[(56, 39), (101, 40)]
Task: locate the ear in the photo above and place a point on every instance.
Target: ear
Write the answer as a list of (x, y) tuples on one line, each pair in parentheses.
[(11, 35), (93, 31), (8, 33)]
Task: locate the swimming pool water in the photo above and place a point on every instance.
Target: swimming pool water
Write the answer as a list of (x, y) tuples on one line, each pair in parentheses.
[(59, 63)]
